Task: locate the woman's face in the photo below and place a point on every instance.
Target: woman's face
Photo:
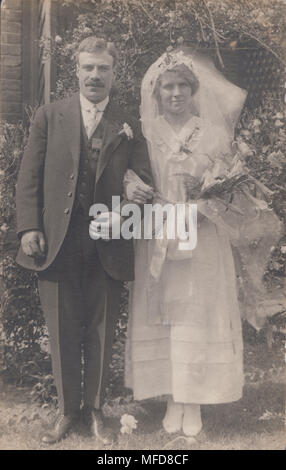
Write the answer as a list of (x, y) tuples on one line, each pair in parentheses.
[(175, 93)]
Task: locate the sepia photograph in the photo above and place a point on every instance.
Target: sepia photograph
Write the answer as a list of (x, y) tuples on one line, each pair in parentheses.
[(142, 227)]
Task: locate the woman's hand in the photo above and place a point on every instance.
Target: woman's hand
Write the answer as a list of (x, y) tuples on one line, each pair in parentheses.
[(135, 192)]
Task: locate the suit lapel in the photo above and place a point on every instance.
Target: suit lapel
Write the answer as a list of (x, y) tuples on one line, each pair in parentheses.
[(111, 138), (71, 126)]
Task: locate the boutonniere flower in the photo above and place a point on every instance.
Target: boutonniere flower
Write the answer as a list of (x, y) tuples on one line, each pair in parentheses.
[(127, 131)]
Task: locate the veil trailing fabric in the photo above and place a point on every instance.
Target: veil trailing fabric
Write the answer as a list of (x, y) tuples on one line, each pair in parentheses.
[(217, 103)]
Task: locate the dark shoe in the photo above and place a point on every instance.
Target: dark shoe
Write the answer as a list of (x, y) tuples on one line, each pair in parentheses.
[(62, 427), (94, 421)]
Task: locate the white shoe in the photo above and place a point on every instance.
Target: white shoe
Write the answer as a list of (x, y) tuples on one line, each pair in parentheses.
[(192, 422), (173, 419)]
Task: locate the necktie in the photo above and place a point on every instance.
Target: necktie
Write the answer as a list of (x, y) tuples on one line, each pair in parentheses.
[(94, 111), (93, 114)]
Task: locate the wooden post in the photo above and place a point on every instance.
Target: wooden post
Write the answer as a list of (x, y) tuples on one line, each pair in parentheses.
[(30, 54), (47, 32)]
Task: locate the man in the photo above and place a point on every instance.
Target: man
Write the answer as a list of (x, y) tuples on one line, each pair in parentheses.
[(77, 156)]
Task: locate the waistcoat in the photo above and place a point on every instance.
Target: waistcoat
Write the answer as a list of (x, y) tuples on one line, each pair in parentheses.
[(89, 154)]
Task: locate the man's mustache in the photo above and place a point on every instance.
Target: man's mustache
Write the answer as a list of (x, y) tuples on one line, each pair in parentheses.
[(96, 83)]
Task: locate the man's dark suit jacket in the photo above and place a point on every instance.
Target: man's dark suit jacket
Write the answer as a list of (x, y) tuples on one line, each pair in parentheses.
[(47, 179)]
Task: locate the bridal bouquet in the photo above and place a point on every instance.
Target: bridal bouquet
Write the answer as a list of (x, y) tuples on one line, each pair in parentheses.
[(222, 179)]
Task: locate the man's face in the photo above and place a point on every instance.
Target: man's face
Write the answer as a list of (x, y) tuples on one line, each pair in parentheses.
[(175, 93), (95, 75)]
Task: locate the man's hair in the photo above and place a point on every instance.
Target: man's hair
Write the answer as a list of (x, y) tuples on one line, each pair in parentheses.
[(92, 44)]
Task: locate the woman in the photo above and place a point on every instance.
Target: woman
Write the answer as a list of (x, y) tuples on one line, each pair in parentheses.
[(184, 332)]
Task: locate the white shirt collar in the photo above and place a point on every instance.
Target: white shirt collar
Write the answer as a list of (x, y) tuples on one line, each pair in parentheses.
[(87, 105)]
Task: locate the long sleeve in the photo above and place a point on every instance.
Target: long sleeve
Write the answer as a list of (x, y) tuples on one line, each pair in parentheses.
[(30, 178), (139, 161)]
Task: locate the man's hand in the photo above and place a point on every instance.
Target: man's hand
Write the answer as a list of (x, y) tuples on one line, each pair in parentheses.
[(33, 244), (105, 225)]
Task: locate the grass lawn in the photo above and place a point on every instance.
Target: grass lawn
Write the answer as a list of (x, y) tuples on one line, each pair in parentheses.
[(255, 422)]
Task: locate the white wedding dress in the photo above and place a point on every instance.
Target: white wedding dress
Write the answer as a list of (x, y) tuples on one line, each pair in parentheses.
[(184, 331)]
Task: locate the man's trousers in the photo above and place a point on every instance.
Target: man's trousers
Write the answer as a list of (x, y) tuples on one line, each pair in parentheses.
[(81, 306)]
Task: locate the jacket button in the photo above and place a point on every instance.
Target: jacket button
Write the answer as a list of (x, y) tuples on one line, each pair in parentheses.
[(66, 211), (69, 194)]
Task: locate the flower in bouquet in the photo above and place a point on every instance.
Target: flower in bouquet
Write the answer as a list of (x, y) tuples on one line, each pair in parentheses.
[(223, 176), (228, 176), (214, 173), (243, 147)]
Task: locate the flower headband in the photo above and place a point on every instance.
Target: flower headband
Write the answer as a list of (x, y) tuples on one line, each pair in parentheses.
[(168, 61)]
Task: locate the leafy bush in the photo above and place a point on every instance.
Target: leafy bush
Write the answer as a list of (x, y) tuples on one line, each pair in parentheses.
[(263, 130), (143, 29), (22, 321)]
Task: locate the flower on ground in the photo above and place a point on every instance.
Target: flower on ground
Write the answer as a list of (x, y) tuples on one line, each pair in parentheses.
[(58, 39), (87, 30), (278, 123), (128, 423), (267, 415), (278, 116)]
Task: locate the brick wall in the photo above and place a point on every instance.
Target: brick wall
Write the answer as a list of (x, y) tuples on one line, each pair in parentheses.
[(11, 107)]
